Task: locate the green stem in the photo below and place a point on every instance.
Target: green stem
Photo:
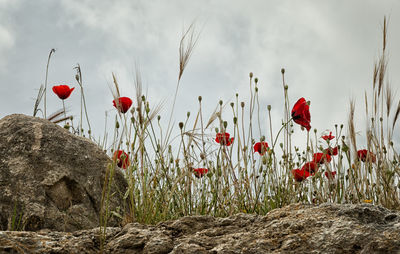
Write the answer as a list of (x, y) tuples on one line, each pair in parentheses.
[(277, 135)]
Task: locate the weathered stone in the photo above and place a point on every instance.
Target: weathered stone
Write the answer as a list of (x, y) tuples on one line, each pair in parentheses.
[(50, 178), (298, 228)]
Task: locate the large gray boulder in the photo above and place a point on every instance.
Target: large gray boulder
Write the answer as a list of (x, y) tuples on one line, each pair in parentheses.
[(298, 228), (50, 178)]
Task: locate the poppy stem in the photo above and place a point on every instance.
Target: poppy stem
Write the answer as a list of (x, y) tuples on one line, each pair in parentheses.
[(65, 114), (277, 135)]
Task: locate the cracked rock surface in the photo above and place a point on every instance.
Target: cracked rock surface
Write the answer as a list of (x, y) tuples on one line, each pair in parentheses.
[(297, 228)]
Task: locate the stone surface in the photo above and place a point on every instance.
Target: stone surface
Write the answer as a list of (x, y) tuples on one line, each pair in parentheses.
[(327, 228), (50, 178)]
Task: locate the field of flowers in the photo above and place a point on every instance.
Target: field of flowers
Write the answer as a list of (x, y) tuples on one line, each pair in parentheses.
[(238, 170)]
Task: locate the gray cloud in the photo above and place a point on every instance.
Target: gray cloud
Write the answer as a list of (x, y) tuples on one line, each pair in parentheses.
[(326, 47)]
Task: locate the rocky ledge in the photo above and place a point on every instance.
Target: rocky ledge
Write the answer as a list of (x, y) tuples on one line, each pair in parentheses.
[(298, 228)]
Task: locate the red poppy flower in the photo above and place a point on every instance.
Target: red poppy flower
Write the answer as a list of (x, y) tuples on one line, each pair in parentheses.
[(365, 155), (200, 172), (301, 113), (331, 151), (330, 175), (223, 139), (124, 103), (261, 147), (121, 162), (321, 158), (63, 91), (310, 167), (300, 175), (328, 137)]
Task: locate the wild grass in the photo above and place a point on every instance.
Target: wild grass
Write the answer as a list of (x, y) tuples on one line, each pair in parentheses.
[(162, 179)]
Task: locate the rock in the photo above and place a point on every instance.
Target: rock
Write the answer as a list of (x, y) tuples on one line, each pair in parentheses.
[(50, 178), (297, 228)]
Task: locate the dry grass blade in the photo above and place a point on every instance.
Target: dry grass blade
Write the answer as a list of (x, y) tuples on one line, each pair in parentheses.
[(382, 61), (382, 72), (213, 116), (154, 112), (138, 88), (56, 114), (186, 46), (375, 76), (389, 98), (185, 51), (116, 94), (38, 100), (352, 131), (55, 117), (61, 119), (366, 104), (45, 81), (191, 134), (396, 115), (384, 34)]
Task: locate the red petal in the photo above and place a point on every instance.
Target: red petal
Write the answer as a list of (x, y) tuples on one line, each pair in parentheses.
[(124, 104)]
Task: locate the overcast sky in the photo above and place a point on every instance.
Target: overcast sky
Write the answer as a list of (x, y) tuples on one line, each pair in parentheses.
[(327, 48)]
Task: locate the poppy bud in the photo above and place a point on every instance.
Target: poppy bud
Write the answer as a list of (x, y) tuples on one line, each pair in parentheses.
[(117, 124), (269, 107), (199, 98), (264, 160), (188, 114), (220, 102), (216, 130), (143, 98), (237, 95), (235, 120), (158, 117), (251, 75), (181, 125), (232, 104), (202, 156), (256, 80), (286, 87), (225, 124), (256, 89), (283, 71), (77, 77), (242, 104)]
